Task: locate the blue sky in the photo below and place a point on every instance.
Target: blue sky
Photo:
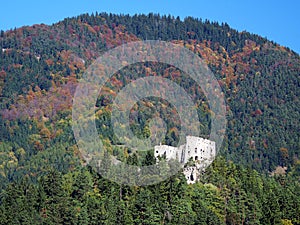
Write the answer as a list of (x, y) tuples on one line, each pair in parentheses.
[(277, 20)]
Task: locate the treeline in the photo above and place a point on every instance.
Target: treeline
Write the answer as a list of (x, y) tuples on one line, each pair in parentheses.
[(227, 194)]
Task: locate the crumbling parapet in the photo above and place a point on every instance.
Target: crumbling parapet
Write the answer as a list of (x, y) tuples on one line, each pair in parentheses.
[(201, 151)]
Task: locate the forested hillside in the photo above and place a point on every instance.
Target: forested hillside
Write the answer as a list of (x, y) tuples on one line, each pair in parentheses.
[(254, 180)]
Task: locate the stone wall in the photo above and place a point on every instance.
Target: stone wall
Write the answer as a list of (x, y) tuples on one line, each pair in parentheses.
[(201, 151)]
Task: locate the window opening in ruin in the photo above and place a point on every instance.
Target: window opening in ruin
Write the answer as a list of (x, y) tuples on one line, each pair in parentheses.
[(192, 177)]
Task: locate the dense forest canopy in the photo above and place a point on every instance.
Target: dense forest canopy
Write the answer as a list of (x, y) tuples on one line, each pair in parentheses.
[(254, 180)]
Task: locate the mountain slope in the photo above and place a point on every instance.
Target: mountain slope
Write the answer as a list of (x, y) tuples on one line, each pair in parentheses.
[(42, 180), (260, 79)]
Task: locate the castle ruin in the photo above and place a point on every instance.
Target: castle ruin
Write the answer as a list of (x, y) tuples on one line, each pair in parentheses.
[(201, 151)]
